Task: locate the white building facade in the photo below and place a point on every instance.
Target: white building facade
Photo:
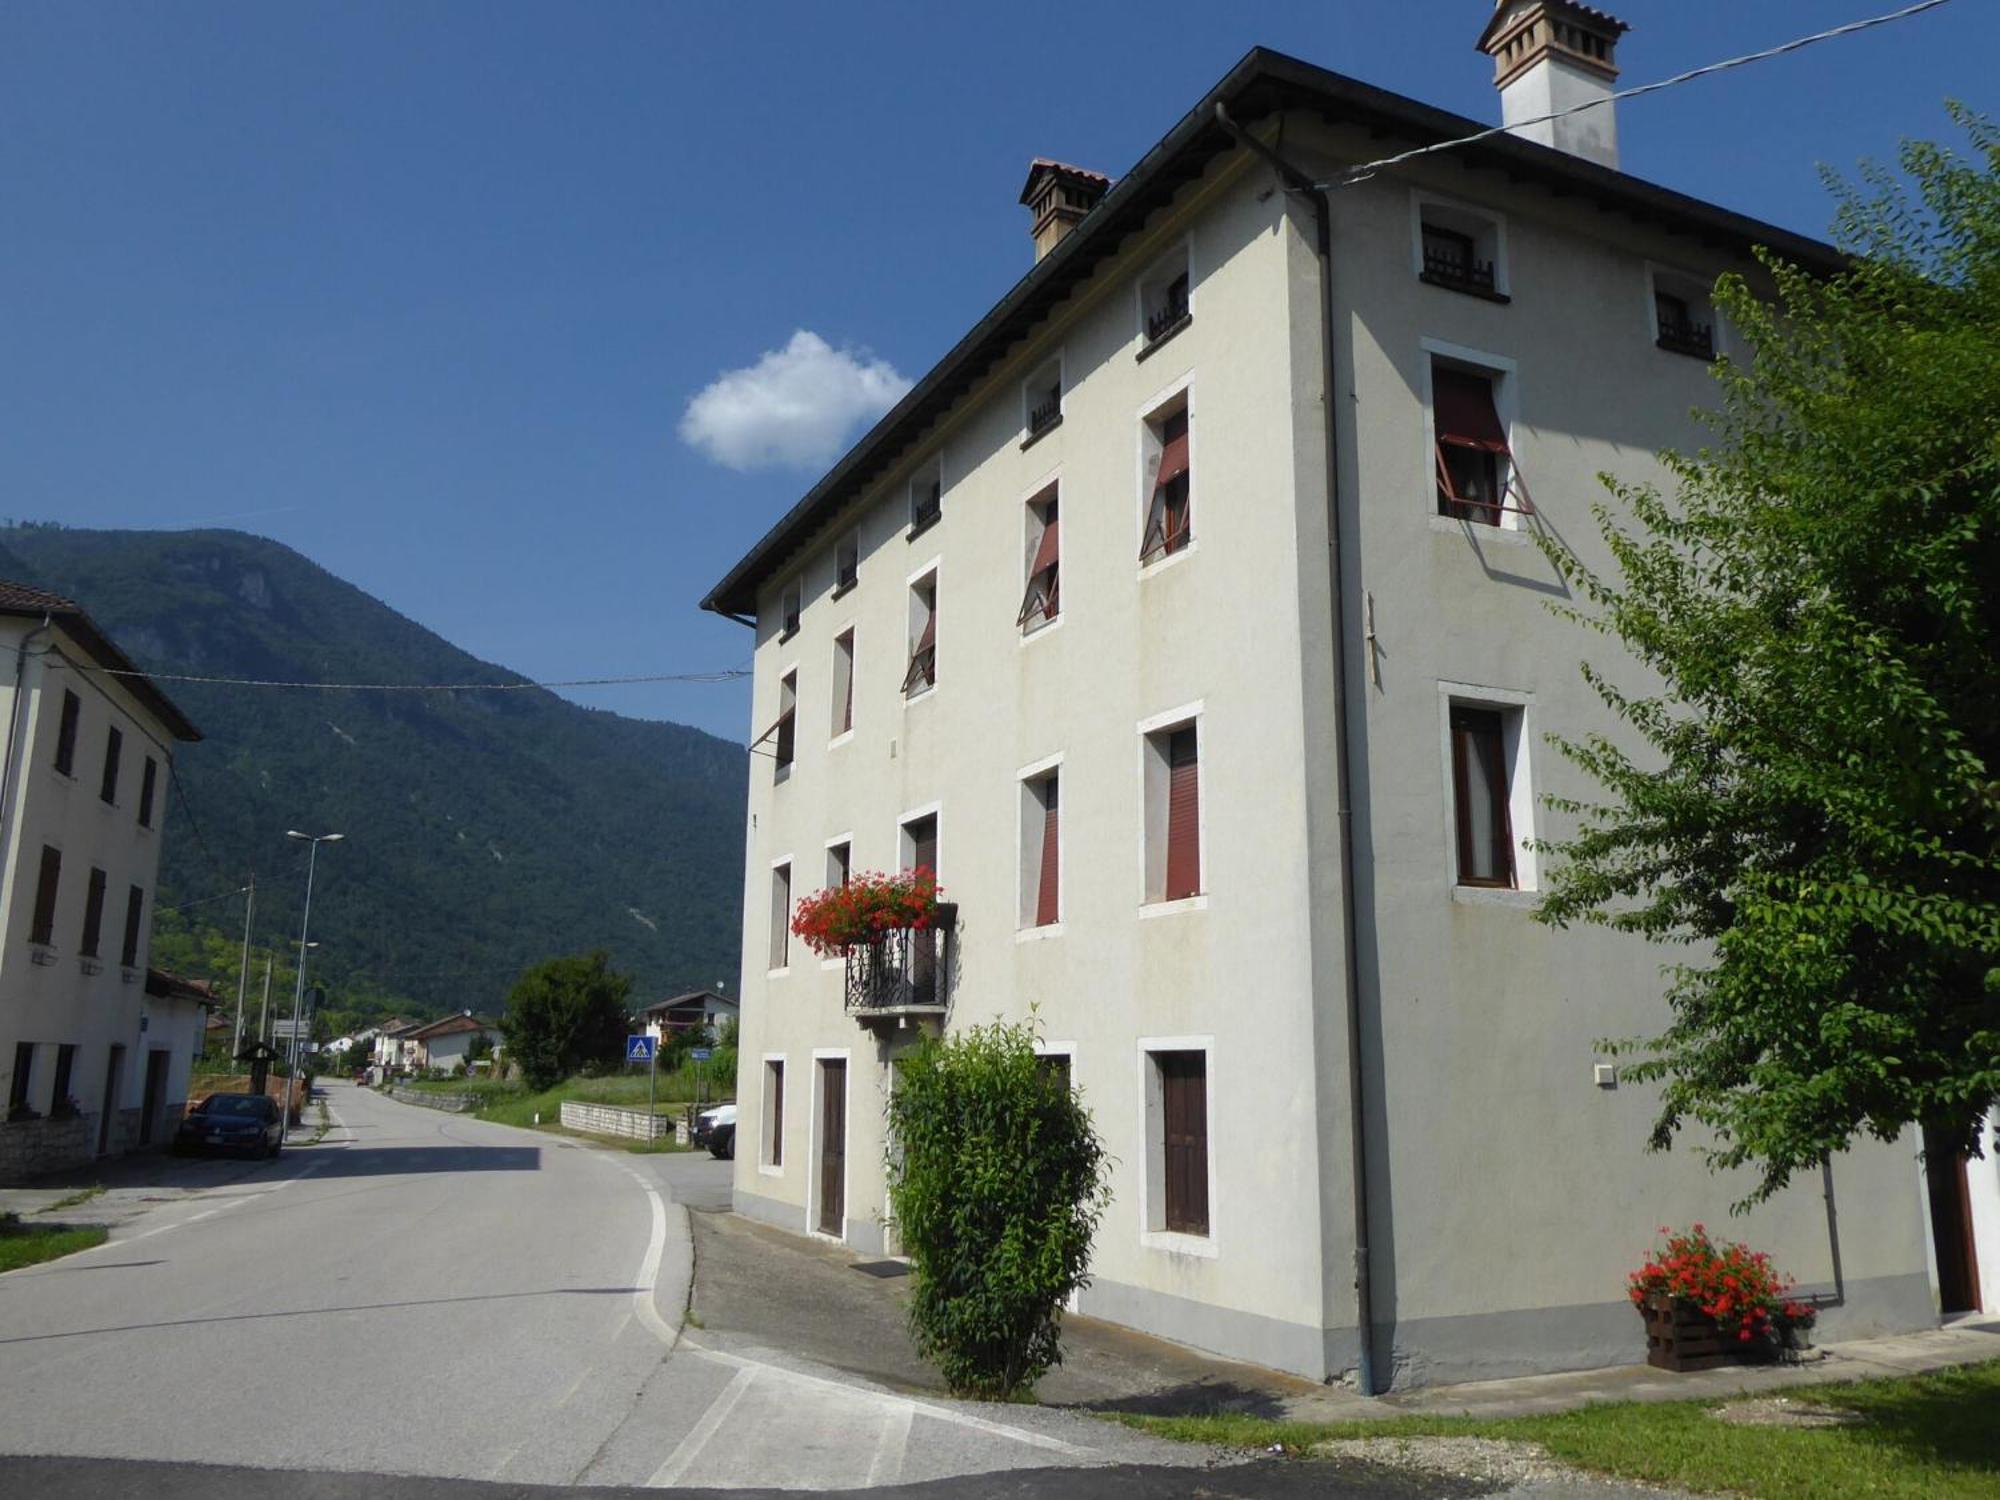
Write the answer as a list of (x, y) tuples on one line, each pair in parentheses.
[(97, 1059), (1358, 1119)]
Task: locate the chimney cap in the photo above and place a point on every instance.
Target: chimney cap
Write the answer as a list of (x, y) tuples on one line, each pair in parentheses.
[(1512, 25), (1044, 165)]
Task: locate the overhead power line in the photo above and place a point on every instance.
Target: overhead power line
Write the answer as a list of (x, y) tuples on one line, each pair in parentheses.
[(1369, 169), (729, 674)]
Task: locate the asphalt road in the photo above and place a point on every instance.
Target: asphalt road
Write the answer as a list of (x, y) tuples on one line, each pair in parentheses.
[(440, 1299)]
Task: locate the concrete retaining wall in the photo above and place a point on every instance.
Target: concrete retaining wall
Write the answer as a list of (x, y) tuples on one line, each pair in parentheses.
[(29, 1148), (606, 1119), (455, 1104)]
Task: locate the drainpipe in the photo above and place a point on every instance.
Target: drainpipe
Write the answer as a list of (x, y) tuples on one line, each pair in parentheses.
[(1302, 184), (13, 734)]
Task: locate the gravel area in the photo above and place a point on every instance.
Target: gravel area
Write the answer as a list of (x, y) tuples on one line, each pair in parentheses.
[(1485, 1459), (1782, 1411)]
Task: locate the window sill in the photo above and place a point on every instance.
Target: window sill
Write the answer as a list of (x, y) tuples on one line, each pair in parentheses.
[(68, 777), (1046, 629), (1175, 1243), (791, 633), (784, 973), (1463, 289), (1667, 346), (782, 774), (840, 739), (89, 964), (764, 1171), (42, 954), (1513, 535), (910, 700), (1036, 934), (1040, 432), (1166, 337), (1495, 895), (1175, 907), (129, 975), (922, 524), (1161, 564)]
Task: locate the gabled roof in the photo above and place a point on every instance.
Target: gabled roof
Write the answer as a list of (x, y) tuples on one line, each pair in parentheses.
[(160, 985), (464, 1021), (689, 998), (1263, 83), (24, 600)]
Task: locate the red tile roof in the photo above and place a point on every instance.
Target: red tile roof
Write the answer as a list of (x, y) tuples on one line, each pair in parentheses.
[(22, 599)]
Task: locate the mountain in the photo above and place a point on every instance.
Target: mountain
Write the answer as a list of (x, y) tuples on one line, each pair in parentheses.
[(484, 830)]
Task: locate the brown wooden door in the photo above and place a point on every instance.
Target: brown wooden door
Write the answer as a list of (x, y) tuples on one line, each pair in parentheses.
[(1951, 1226), (833, 1145), (1184, 1103), (114, 1069)]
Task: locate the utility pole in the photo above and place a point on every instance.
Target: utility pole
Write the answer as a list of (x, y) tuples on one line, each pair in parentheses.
[(299, 986), (243, 973), (264, 1010)]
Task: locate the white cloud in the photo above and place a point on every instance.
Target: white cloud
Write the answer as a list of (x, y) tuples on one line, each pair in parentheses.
[(797, 406)]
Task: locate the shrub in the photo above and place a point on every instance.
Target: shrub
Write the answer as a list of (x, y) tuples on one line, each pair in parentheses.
[(996, 1186)]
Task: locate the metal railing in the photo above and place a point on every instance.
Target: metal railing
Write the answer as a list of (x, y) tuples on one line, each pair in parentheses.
[(1450, 267), (1687, 337), (906, 970)]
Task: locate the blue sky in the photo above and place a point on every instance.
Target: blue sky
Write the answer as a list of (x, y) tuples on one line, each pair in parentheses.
[(425, 290)]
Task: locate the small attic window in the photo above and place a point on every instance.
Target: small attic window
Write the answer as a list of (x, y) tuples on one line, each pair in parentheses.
[(1461, 250), (1683, 316), (927, 495), (1165, 301), (794, 602), (1042, 400)]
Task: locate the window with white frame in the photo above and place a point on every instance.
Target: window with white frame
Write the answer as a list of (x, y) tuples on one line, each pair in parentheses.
[(839, 864), (1683, 315), (921, 674), (1173, 812), (792, 602), (927, 494), (1177, 1141), (781, 916), (1165, 306), (1492, 797), (774, 1112), (1166, 475), (783, 733), (1041, 599), (1041, 849), (846, 563), (1460, 249), (1477, 480), (843, 683), (1042, 400)]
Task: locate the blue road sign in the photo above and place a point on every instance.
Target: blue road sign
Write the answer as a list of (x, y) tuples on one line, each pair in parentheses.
[(639, 1049), (699, 1054)]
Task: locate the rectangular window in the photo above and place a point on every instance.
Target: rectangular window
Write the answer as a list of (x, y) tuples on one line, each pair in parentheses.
[(920, 843), (1679, 327), (1164, 305), (93, 914), (1473, 461), (784, 733), (791, 603), (839, 864), (1181, 1136), (927, 495), (1173, 814), (135, 906), (1170, 500), (59, 1092), (1041, 603), (1461, 250), (921, 675), (21, 1082), (1041, 400), (148, 785), (781, 915), (72, 711), (846, 564), (1480, 797), (1057, 1066), (43, 928), (113, 747), (774, 1113), (843, 683), (1041, 850)]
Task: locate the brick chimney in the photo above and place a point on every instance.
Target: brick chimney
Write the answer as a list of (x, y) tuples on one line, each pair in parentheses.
[(1551, 55), (1059, 196)]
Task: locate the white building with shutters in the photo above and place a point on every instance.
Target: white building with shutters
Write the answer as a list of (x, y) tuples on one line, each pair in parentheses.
[(1223, 726), (96, 1051)]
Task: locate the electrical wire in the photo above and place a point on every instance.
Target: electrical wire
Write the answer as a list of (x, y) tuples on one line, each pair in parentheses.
[(1368, 169), (729, 674), (204, 900)]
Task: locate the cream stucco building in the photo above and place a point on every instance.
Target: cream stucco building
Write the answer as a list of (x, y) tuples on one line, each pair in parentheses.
[(97, 1052), (1219, 708)]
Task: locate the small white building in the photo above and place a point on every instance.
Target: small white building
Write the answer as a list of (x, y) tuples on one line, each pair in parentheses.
[(448, 1042), (95, 1058), (688, 1011)]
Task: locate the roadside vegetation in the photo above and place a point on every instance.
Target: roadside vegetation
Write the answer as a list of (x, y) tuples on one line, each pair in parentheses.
[(76, 1199), (1922, 1437), (514, 1102), (29, 1245)]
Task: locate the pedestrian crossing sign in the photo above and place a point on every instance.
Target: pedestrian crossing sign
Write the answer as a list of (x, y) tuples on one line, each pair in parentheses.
[(639, 1049)]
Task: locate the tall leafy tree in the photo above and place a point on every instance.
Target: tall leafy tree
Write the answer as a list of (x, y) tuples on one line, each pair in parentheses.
[(565, 1013), (1817, 803)]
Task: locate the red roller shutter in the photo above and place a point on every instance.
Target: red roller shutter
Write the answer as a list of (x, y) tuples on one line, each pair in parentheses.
[(1183, 815), (1465, 413), (1046, 890)]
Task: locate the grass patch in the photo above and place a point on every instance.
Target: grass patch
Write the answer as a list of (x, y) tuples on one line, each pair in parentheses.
[(76, 1199), (1921, 1437), (25, 1245), (510, 1102)]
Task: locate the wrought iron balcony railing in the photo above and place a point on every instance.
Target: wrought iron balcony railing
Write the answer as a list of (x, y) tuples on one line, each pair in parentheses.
[(1685, 336), (906, 973)]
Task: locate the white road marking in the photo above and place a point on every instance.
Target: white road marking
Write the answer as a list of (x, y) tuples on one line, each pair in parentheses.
[(887, 1465), (689, 1448), (570, 1395)]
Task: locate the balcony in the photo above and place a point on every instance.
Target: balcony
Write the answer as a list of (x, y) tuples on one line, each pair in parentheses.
[(906, 976), (1455, 267), (1685, 336)]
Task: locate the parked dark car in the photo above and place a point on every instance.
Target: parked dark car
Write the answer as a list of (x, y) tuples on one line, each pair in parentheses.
[(716, 1129), (244, 1124)]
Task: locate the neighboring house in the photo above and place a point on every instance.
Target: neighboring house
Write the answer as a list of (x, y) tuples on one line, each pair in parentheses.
[(447, 1043), (95, 1060), (688, 1011), (1225, 733), (394, 1047)]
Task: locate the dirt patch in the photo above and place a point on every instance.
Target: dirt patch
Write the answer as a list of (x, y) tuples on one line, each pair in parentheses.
[(1782, 1411), (1484, 1459)]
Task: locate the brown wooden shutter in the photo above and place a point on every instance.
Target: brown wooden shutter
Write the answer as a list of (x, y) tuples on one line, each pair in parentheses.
[(1184, 1105), (1464, 413), (72, 708), (147, 786), (1047, 902), (1041, 597), (43, 929), (93, 915), (1183, 815), (135, 905), (112, 746)]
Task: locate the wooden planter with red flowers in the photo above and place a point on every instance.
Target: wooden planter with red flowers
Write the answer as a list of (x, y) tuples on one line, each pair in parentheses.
[(1707, 1304)]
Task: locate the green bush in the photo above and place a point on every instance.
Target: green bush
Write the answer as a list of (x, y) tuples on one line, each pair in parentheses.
[(996, 1186), (567, 1015)]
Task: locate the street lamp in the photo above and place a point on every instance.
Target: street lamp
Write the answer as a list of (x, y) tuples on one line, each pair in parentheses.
[(299, 987)]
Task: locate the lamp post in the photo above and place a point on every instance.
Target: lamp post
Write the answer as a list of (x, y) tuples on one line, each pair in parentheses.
[(299, 987)]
